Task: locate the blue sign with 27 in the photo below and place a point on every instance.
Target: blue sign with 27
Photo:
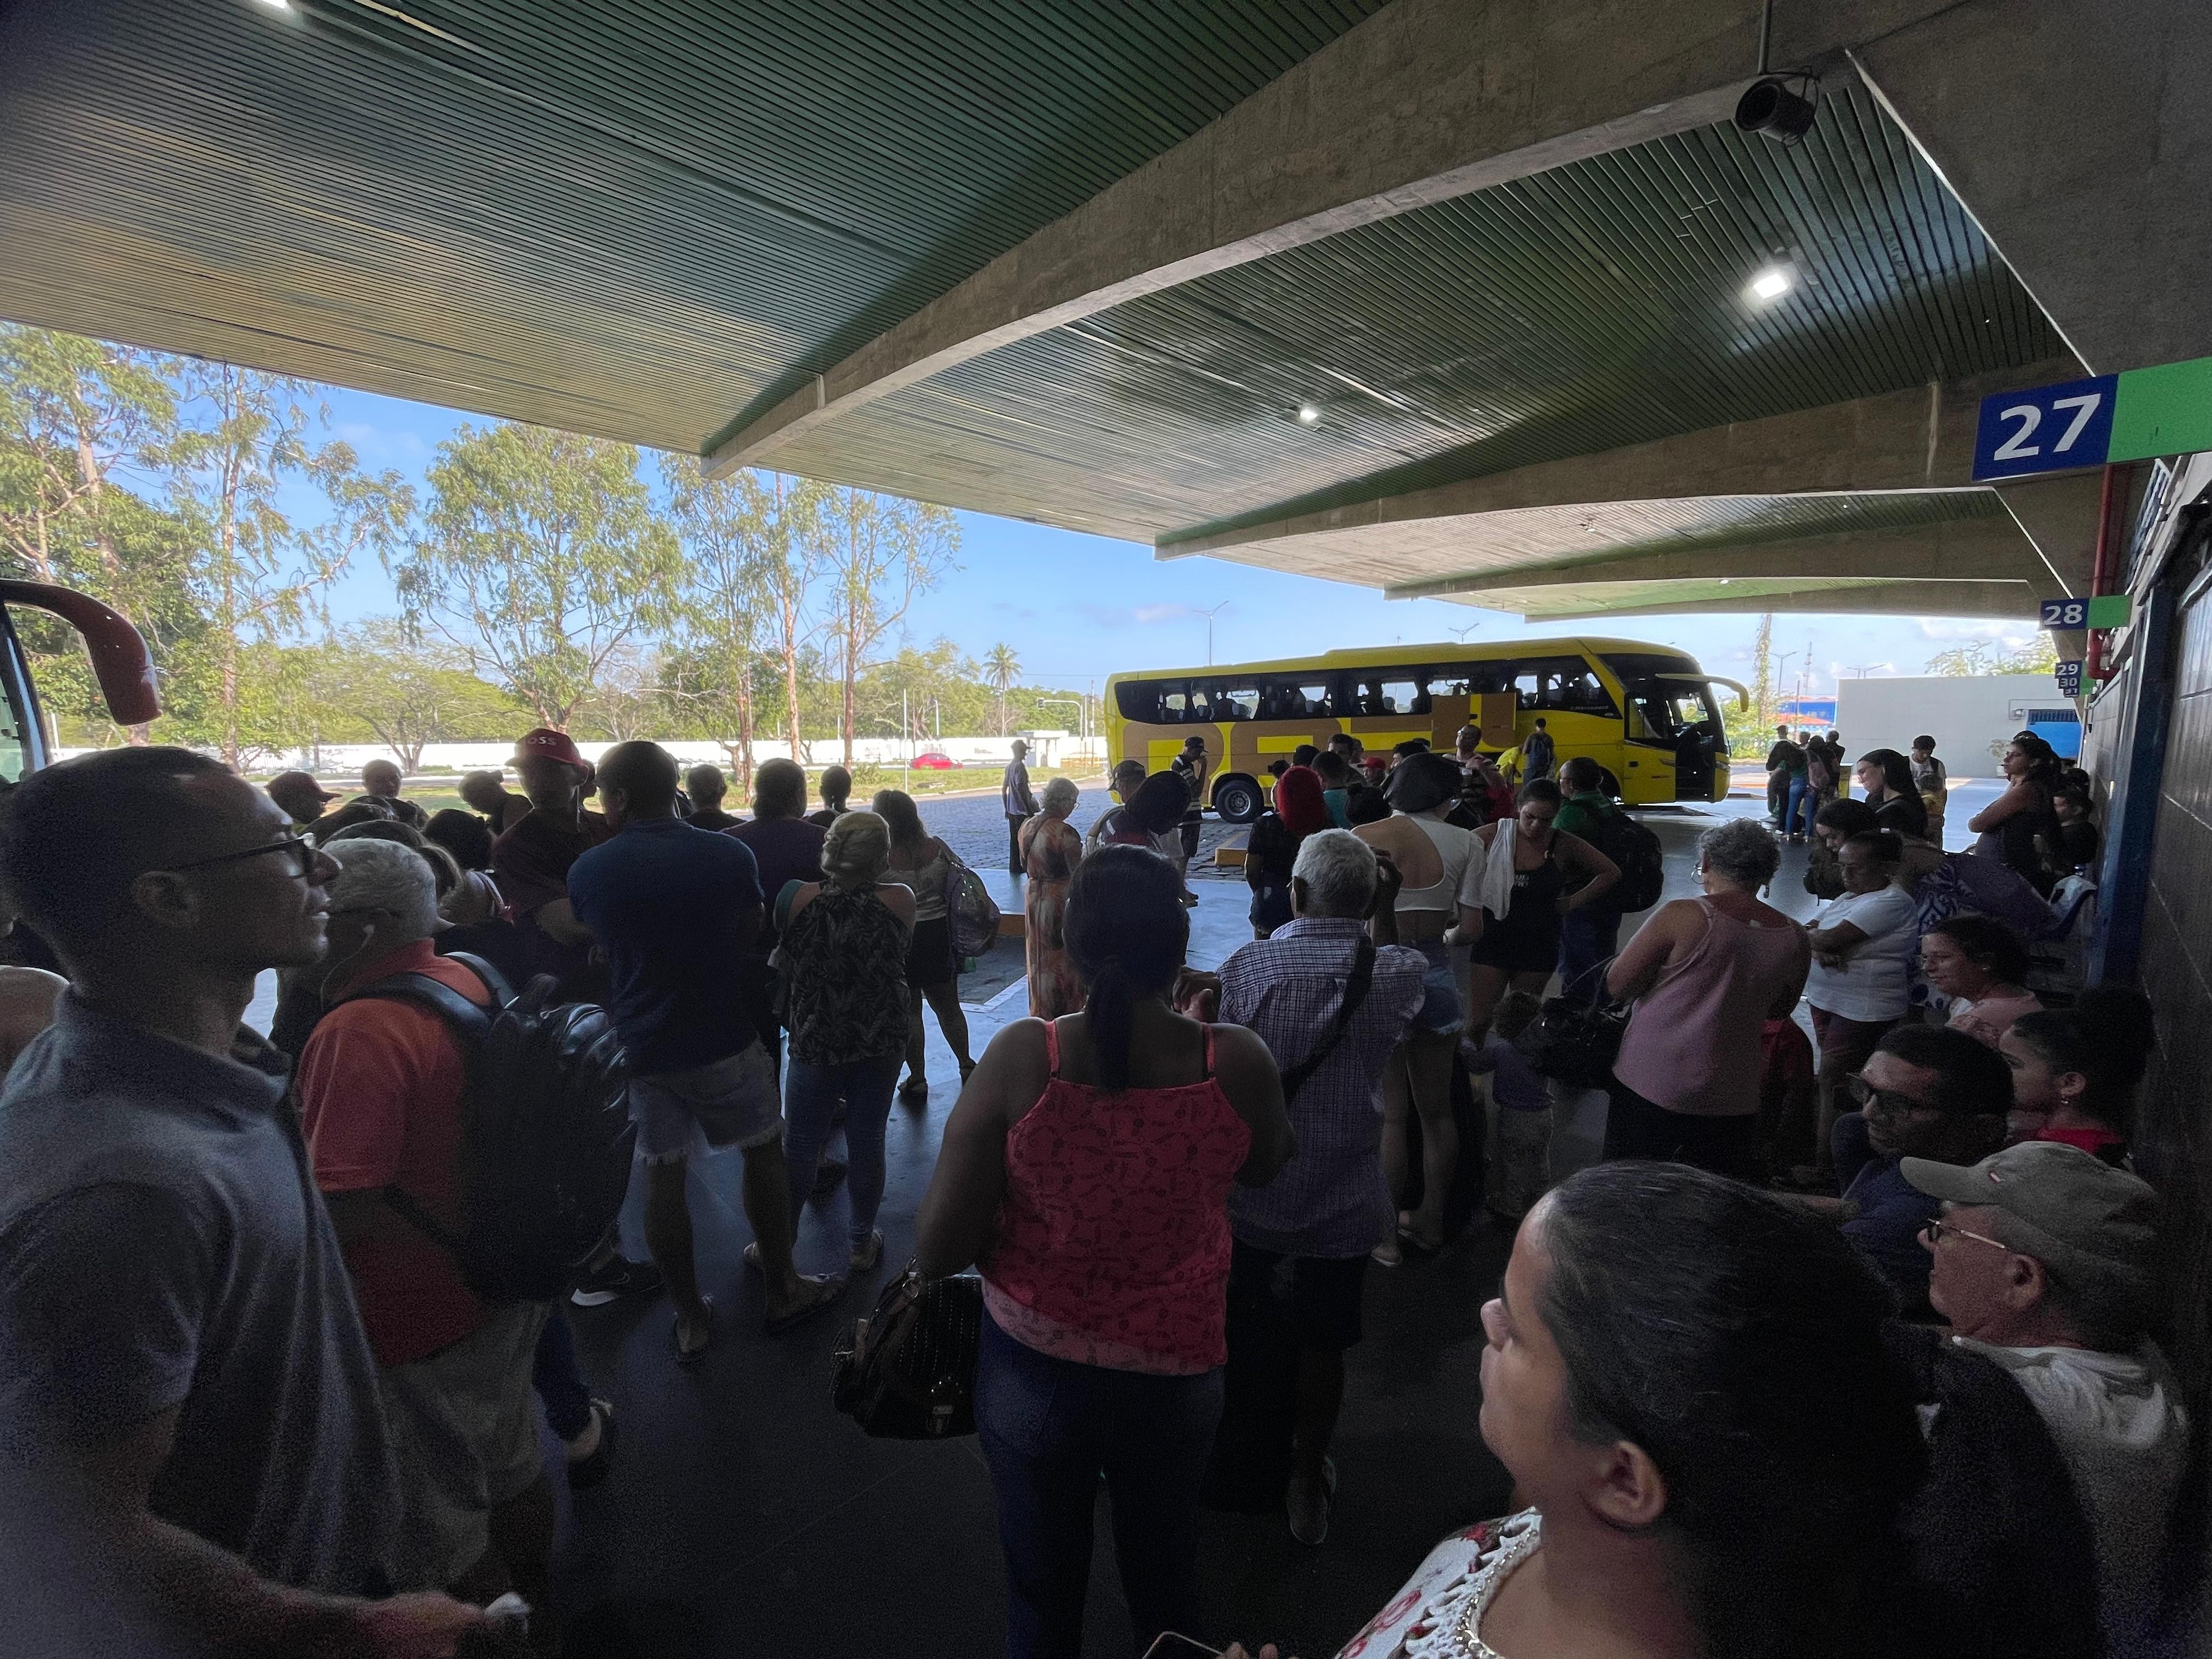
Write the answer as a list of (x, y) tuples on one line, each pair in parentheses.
[(2048, 428)]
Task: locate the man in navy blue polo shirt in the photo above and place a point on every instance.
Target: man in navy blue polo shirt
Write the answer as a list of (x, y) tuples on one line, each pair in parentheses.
[(673, 908)]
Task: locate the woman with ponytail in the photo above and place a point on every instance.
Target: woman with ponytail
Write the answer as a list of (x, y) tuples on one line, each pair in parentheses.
[(1087, 1167)]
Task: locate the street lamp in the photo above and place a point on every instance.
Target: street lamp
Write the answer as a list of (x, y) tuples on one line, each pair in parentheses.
[(1208, 615)]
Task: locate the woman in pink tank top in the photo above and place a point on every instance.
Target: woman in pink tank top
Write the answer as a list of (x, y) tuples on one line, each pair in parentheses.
[(1087, 1168), (1705, 974)]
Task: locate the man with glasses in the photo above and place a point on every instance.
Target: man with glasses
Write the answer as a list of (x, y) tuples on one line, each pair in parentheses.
[(2043, 1260), (1926, 1093), (188, 1407)]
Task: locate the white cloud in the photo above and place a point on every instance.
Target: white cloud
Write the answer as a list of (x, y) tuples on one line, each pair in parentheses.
[(1154, 613)]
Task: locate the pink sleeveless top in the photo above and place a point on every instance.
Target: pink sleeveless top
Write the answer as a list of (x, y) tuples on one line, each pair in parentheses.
[(1113, 1239), (1692, 1044)]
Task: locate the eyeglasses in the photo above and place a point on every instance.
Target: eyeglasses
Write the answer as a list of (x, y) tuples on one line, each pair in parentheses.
[(1887, 1102), (299, 848), (1936, 1230)]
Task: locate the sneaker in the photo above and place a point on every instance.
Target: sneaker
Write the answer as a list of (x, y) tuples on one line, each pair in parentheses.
[(597, 1286), (1308, 1503)]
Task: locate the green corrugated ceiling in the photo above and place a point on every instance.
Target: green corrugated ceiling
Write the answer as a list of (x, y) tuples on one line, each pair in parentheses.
[(1592, 305), (636, 221)]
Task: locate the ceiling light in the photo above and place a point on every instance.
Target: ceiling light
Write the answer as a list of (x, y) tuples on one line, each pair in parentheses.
[(1770, 109), (1771, 283), (1308, 414), (278, 5)]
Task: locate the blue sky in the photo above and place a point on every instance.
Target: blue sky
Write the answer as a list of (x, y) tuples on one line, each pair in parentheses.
[(1077, 608)]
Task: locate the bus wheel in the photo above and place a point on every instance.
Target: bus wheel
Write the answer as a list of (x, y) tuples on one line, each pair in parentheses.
[(1238, 800)]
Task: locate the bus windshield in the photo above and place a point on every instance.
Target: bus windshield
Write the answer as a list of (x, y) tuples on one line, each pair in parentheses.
[(1663, 701)]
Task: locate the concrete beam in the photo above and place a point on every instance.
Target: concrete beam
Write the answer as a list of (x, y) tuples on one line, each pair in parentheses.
[(2059, 517), (1426, 101), (1922, 439), (1997, 599), (1968, 551), (2080, 137)]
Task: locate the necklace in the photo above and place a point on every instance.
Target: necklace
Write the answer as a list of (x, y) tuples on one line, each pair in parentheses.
[(1466, 1630)]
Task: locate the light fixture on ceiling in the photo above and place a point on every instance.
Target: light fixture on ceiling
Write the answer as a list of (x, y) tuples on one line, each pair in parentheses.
[(1769, 284), (1769, 108), (1309, 414), (276, 5)]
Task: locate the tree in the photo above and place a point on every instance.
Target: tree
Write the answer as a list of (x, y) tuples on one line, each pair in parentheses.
[(543, 556), (408, 692), (1988, 656), (255, 576), (879, 553), (737, 559), (78, 418), (1002, 672)]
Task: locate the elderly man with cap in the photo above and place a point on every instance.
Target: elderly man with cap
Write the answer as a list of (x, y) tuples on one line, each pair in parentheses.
[(300, 795), (2044, 1263)]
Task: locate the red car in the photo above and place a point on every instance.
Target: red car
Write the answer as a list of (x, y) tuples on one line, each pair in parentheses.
[(933, 760)]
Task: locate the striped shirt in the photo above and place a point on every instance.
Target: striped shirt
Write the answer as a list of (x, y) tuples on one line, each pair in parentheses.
[(1330, 1200)]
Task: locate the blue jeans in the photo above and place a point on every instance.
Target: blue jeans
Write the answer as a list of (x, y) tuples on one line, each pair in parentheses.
[(1797, 807), (1048, 1429), (1588, 936), (811, 1094)]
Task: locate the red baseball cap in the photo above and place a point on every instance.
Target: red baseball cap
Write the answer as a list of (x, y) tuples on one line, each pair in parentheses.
[(544, 742)]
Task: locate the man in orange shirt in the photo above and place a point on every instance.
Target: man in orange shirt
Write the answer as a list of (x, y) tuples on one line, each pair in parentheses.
[(381, 1086)]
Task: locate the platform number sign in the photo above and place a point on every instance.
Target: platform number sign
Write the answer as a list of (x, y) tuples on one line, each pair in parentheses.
[(2068, 674), (2048, 429), (2065, 613)]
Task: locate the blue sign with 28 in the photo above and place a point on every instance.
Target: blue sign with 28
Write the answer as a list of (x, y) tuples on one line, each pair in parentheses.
[(2050, 429)]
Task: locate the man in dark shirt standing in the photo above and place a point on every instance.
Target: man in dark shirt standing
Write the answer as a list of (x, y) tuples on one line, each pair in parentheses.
[(182, 1370), (380, 780), (787, 849), (1020, 805), (674, 910), (530, 862)]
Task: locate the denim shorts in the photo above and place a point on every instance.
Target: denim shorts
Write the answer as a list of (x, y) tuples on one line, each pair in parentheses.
[(1441, 1009), (733, 1101)]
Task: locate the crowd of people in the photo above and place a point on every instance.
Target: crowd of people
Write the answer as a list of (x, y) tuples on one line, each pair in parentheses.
[(1843, 1348)]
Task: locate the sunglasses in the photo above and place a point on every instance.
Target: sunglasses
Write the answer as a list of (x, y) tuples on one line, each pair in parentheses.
[(1887, 1102), (298, 849)]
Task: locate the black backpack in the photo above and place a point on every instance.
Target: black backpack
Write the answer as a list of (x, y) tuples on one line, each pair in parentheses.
[(1635, 849), (545, 1133)]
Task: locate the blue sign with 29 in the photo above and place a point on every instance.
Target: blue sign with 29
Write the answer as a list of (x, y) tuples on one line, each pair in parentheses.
[(2050, 429)]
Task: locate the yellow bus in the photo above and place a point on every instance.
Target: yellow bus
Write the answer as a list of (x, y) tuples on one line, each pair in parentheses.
[(1645, 713)]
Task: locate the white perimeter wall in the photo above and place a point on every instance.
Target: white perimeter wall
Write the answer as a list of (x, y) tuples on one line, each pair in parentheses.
[(1964, 714), (344, 760)]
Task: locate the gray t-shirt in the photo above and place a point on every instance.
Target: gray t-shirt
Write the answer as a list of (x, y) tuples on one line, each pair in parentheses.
[(162, 1244)]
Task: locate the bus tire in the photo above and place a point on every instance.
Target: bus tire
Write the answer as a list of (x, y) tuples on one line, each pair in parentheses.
[(1237, 798)]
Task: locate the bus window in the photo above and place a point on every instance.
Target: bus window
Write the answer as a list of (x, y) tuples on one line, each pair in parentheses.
[(1237, 703), (1287, 699), (1394, 697), (1564, 685), (1449, 683), (1175, 703)]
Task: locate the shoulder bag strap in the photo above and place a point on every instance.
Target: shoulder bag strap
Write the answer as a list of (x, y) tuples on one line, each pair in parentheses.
[(1355, 993)]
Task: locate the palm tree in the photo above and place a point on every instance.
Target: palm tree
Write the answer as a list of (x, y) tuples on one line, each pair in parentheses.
[(1002, 672)]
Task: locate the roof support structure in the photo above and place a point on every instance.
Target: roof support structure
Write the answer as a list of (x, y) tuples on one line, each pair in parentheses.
[(1427, 100), (1994, 599)]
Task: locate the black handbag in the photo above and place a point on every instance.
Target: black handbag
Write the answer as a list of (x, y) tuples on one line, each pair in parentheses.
[(1574, 1041), (908, 1371)]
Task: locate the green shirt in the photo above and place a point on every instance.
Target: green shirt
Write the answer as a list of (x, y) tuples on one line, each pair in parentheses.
[(1580, 813)]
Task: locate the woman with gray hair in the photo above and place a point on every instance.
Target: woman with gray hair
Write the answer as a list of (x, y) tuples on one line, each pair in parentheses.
[(1705, 974), (1050, 851), (844, 946)]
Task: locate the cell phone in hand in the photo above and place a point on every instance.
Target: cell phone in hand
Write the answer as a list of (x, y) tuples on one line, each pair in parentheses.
[(1168, 1645)]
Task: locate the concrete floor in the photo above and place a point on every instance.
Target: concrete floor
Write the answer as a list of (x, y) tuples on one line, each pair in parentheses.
[(745, 1517)]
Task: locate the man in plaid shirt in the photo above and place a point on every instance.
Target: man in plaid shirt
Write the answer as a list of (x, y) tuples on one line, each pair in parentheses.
[(1308, 1233)]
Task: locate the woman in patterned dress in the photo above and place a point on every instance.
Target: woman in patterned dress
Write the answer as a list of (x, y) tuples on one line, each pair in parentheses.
[(1050, 851), (1688, 1379)]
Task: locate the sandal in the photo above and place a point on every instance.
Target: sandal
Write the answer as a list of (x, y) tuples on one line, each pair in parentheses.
[(825, 1292), (686, 1357), (1417, 1249), (1387, 1255), (914, 1090)]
